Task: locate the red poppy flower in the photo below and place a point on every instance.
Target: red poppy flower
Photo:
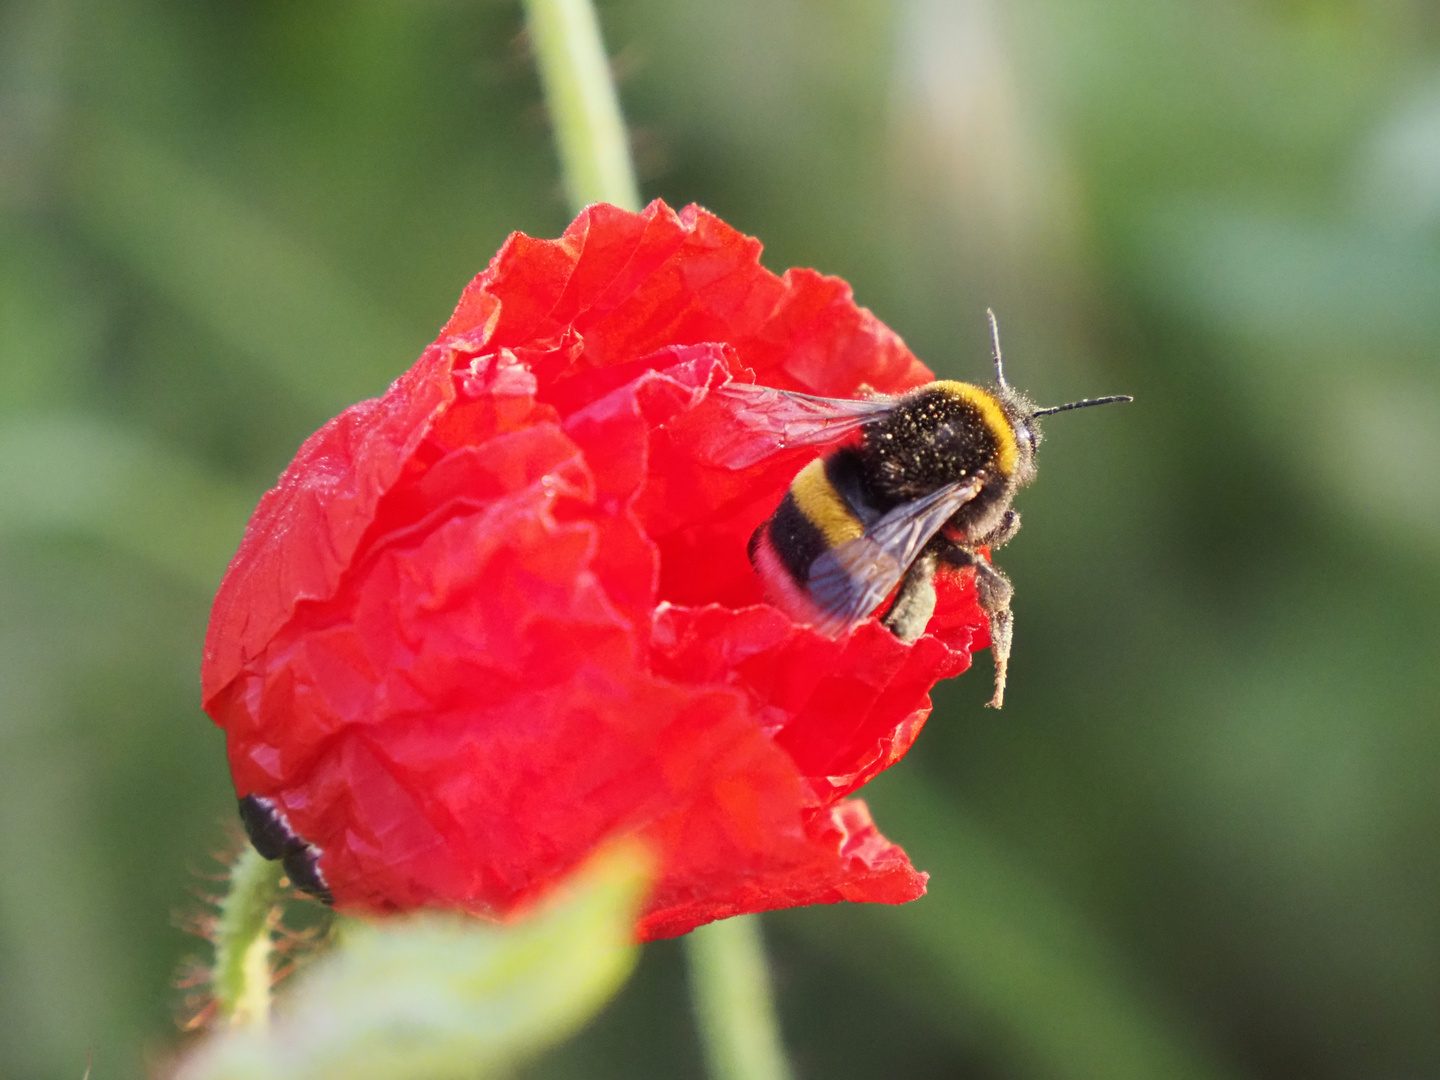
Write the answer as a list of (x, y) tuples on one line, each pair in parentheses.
[(504, 613)]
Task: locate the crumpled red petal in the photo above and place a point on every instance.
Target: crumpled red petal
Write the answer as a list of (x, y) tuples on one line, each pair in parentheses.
[(504, 613)]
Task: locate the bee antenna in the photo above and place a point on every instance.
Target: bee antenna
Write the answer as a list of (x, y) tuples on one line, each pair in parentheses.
[(995, 349), (1082, 404)]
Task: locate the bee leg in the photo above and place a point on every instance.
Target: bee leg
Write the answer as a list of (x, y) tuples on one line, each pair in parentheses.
[(993, 590), (915, 603), (1005, 531)]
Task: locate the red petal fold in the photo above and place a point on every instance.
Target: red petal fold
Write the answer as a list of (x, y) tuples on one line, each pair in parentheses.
[(503, 613)]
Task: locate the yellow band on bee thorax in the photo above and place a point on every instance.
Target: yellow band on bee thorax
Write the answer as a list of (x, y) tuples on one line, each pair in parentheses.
[(822, 505), (994, 418)]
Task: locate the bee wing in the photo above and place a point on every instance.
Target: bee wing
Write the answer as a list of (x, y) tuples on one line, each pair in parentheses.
[(850, 580), (770, 420)]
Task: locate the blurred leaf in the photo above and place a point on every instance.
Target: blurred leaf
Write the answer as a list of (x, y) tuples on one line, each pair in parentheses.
[(1328, 333), (231, 269), (991, 948), (442, 995), (1291, 282), (50, 326), (83, 475)]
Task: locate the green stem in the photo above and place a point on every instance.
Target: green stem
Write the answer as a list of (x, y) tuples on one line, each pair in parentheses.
[(729, 979), (584, 109), (243, 940), (730, 990)]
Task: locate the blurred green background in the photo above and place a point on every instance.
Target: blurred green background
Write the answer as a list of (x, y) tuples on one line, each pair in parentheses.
[(1200, 841)]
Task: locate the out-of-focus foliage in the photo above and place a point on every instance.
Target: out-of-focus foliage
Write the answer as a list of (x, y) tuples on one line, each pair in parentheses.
[(1204, 835), (436, 995)]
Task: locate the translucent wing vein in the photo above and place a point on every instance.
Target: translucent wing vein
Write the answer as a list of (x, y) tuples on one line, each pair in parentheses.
[(768, 421), (848, 582)]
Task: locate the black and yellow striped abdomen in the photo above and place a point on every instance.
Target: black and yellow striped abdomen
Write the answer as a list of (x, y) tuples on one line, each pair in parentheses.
[(941, 433), (812, 518)]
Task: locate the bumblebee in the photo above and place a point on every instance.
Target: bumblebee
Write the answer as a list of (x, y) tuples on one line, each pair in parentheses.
[(929, 480)]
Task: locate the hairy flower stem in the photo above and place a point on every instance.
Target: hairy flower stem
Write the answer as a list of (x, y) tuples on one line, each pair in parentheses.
[(241, 979), (584, 109), (730, 991)]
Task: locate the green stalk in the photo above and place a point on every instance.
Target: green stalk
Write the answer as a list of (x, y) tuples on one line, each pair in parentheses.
[(584, 108), (734, 1008), (243, 941), (729, 978)]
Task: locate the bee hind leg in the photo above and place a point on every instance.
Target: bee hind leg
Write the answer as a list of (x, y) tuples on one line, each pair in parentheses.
[(1004, 532), (993, 590), (915, 602)]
